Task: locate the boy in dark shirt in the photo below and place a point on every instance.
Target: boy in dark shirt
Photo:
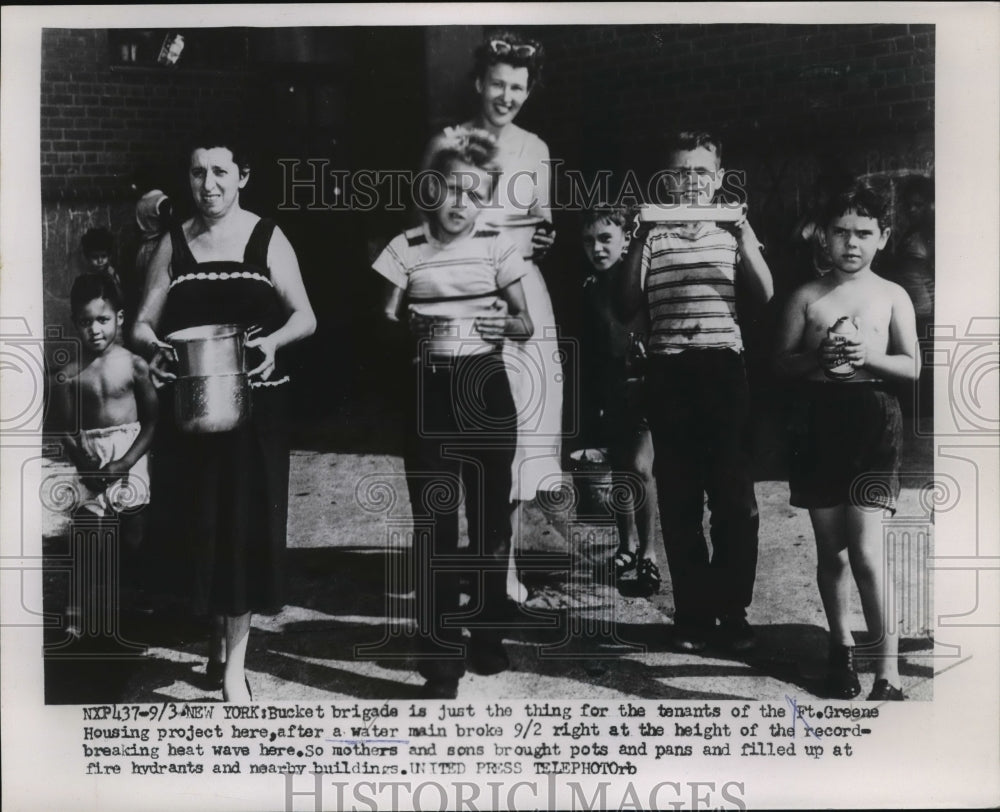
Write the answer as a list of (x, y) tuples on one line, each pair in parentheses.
[(613, 386)]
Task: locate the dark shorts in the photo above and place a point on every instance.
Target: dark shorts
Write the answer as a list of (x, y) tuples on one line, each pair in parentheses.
[(846, 442), (625, 412)]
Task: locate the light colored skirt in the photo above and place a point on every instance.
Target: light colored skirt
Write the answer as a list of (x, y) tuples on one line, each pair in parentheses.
[(535, 372)]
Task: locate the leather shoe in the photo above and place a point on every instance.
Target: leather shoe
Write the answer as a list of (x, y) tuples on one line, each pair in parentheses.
[(487, 657), (882, 691), (689, 638), (736, 634), (842, 678), (439, 689)]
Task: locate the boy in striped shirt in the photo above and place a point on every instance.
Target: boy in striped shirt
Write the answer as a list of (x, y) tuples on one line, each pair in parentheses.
[(458, 285), (686, 275)]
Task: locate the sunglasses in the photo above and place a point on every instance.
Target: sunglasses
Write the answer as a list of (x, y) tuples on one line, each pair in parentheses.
[(502, 47)]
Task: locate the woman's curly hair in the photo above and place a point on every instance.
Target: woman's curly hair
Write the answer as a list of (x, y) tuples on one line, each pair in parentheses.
[(486, 55)]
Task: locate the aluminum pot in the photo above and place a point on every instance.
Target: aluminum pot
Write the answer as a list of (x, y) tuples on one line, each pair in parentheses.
[(206, 404), (212, 349)]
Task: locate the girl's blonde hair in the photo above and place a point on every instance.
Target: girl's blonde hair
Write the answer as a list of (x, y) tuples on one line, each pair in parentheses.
[(468, 145)]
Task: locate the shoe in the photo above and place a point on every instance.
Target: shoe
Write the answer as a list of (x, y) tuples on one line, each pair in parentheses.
[(736, 634), (439, 689), (487, 657), (842, 678), (214, 673), (647, 577), (882, 691), (689, 638)]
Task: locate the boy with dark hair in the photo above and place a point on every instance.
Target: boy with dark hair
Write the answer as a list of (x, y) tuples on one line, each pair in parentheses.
[(846, 336), (685, 274), (109, 395), (612, 387)]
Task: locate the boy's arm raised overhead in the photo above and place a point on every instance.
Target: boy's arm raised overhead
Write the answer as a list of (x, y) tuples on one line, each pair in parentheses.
[(628, 293), (752, 263), (791, 360), (900, 361)]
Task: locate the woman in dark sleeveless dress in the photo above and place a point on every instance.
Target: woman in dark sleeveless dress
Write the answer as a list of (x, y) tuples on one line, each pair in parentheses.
[(222, 499)]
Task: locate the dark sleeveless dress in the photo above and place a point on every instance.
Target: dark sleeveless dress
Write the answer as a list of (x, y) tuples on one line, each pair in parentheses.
[(222, 498)]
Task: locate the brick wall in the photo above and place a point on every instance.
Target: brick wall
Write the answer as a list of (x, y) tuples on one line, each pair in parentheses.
[(98, 123), (792, 103), (98, 126), (764, 86)]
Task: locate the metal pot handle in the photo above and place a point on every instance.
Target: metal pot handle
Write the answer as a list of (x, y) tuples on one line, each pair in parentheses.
[(166, 345)]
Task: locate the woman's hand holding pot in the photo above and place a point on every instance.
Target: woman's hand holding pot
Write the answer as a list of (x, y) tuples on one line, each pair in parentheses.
[(159, 365), (267, 347)]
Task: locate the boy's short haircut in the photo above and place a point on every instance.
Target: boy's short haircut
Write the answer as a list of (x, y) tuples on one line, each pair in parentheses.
[(687, 140), (97, 239), (619, 215), (90, 286), (862, 198)]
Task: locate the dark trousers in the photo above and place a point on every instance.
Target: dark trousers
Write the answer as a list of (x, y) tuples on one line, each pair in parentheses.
[(699, 414), (462, 446)]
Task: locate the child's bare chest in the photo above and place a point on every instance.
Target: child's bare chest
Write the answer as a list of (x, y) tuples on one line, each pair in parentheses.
[(106, 382), (871, 312)]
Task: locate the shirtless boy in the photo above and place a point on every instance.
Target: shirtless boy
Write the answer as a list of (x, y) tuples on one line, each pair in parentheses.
[(847, 338)]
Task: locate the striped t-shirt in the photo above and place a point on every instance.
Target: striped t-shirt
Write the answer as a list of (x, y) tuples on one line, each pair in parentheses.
[(455, 281), (689, 278)]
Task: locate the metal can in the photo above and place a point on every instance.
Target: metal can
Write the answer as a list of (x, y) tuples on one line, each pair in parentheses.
[(843, 329), (171, 49)]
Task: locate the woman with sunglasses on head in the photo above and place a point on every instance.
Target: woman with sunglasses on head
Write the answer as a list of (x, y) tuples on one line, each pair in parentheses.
[(507, 69)]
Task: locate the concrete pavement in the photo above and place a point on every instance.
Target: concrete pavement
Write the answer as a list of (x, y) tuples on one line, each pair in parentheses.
[(586, 639)]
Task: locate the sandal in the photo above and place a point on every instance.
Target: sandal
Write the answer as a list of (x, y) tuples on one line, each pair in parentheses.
[(647, 577), (623, 561)]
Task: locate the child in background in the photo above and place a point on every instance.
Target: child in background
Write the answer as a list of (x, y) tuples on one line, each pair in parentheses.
[(845, 458), (915, 255), (97, 246), (462, 286), (613, 386), (108, 394), (686, 274), (152, 215), (914, 270)]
